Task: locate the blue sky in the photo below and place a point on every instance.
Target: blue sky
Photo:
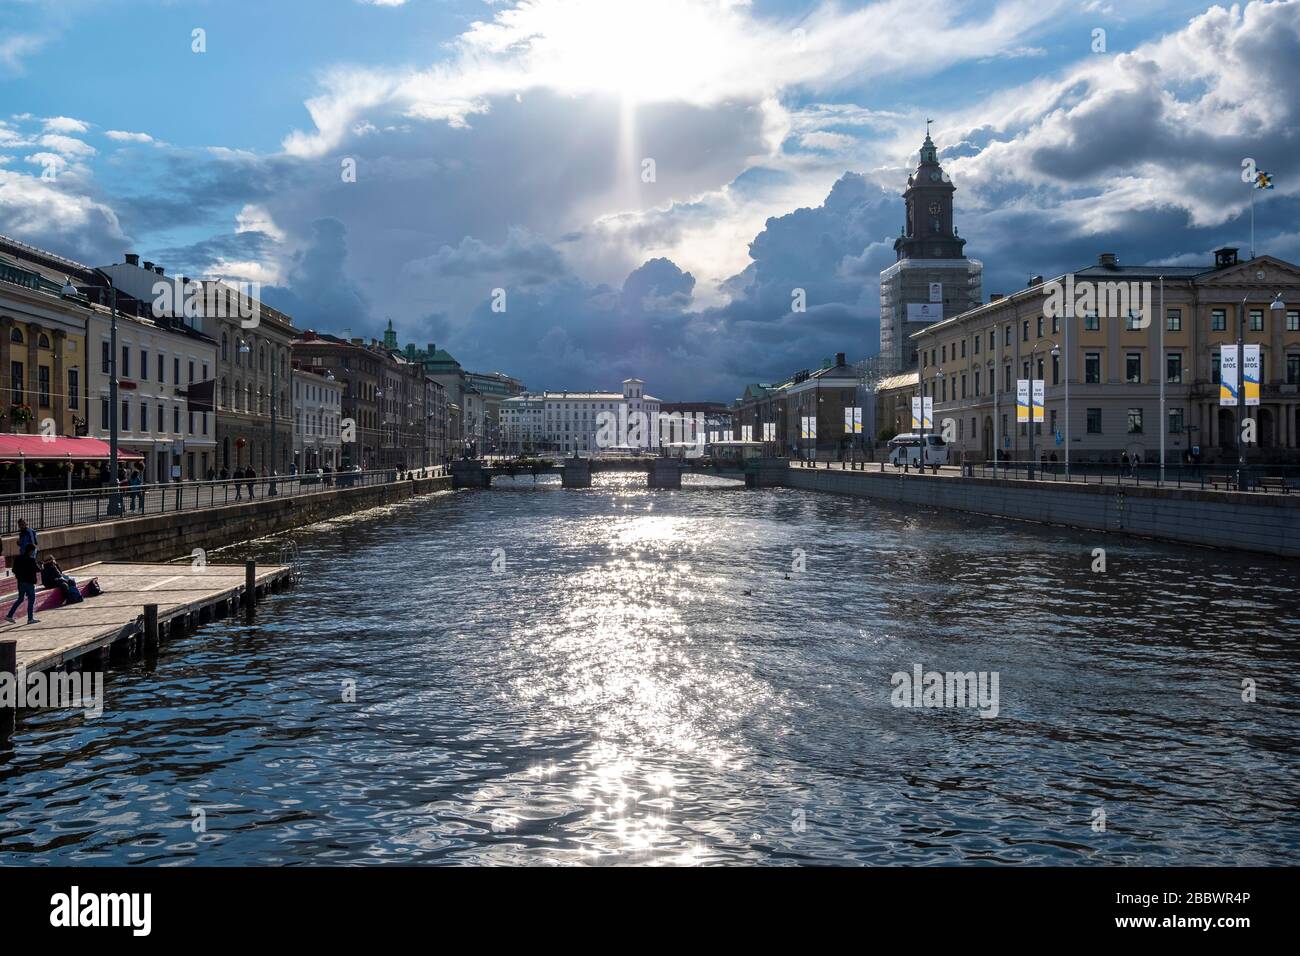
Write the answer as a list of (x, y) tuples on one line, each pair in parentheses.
[(502, 145)]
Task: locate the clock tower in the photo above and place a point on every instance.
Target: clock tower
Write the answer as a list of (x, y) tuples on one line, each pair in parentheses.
[(928, 232), (932, 280)]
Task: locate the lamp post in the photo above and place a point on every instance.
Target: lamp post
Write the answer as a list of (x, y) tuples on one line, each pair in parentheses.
[(1162, 425), (1276, 306), (1033, 356), (275, 401), (115, 499)]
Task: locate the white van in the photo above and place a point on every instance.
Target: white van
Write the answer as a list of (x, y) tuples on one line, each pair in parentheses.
[(907, 448)]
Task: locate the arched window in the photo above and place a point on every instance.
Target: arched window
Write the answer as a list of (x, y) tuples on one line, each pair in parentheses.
[(43, 342), (237, 396), (261, 358), (224, 393), (259, 399), (225, 347), (16, 335)]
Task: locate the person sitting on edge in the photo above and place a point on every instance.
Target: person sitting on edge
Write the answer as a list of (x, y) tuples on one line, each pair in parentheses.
[(26, 572), (52, 576)]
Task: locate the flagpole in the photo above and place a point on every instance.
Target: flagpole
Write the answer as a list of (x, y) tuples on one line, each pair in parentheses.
[(1252, 220)]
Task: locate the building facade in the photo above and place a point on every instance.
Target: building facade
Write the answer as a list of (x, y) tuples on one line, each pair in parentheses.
[(357, 369), (317, 414), (932, 277), (42, 343), (587, 424), (1109, 362)]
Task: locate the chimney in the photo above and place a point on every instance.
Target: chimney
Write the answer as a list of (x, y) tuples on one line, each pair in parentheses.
[(839, 359), (158, 269), (148, 266), (1035, 280), (309, 335), (132, 259), (1225, 257), (1108, 260), (996, 296)]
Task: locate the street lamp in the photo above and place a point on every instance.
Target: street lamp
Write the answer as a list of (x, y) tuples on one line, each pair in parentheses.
[(115, 499), (1276, 306), (1033, 355)]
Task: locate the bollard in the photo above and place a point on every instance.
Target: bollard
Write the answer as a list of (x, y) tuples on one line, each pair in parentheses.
[(151, 628), (9, 665), (250, 584)]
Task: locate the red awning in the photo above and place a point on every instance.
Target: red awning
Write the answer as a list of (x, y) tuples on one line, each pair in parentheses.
[(42, 448)]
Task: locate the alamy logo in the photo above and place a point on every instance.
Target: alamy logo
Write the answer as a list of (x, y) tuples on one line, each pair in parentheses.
[(946, 689), (214, 298), (53, 689), (73, 909), (1105, 300)]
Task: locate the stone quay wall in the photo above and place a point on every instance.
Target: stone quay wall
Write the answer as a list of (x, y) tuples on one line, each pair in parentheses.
[(172, 535), (1266, 523)]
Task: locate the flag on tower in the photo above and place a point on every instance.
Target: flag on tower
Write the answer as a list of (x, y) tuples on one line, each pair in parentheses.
[(1263, 180)]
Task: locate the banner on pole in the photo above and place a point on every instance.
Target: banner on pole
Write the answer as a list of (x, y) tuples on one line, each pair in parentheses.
[(1040, 399), (929, 413), (853, 421), (1250, 373), (1227, 375), (1022, 400)]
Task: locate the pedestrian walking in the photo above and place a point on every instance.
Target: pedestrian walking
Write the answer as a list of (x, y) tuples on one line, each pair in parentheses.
[(26, 536), (250, 476), (26, 571), (137, 490)]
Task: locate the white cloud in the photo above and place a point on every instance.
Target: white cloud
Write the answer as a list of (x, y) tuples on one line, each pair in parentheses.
[(123, 136), (64, 124), (15, 47), (665, 51), (255, 218), (66, 145)]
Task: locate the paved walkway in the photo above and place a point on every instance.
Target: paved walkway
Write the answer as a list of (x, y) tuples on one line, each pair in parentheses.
[(68, 632)]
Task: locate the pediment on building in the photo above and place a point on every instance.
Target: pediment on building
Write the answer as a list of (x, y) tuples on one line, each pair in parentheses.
[(1262, 272)]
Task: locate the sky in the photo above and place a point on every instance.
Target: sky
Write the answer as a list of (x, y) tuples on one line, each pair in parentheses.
[(579, 191)]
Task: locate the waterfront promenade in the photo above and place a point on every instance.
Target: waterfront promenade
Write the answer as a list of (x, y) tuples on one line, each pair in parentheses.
[(58, 509), (183, 594)]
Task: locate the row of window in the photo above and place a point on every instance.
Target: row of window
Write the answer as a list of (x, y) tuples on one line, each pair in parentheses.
[(144, 367), (44, 395), (1133, 422), (1092, 373), (159, 419), (1092, 323), (16, 336)]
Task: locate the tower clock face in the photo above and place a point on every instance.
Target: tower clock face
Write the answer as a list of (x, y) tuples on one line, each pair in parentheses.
[(934, 209), (934, 176)]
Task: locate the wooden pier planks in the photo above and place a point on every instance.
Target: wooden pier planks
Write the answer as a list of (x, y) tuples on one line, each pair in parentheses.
[(70, 631)]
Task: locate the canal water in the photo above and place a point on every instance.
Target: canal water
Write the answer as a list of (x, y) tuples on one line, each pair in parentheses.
[(612, 676)]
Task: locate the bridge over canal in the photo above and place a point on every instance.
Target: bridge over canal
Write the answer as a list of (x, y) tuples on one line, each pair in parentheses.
[(576, 472)]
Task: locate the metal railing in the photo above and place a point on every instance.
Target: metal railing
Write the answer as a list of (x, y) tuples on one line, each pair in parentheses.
[(62, 509), (1224, 476), (1258, 478)]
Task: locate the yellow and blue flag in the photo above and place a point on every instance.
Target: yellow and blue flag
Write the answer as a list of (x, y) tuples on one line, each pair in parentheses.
[(1263, 180)]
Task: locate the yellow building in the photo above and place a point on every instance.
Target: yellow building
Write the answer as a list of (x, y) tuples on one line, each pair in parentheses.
[(42, 344), (1105, 363)]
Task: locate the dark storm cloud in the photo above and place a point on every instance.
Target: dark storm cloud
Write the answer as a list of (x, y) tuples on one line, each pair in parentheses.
[(319, 293)]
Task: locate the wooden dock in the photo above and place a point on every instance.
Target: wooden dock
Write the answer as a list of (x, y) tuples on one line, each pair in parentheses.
[(122, 620)]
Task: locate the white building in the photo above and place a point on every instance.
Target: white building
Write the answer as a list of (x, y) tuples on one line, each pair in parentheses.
[(159, 360), (317, 410), (589, 424)]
